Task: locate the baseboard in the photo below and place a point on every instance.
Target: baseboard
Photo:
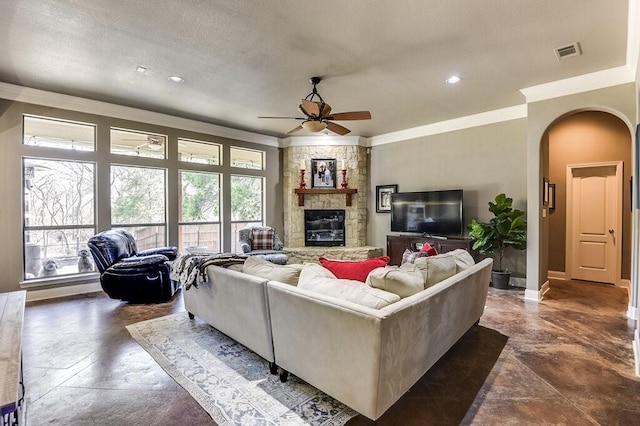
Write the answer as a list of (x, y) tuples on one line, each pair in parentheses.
[(632, 312), (624, 283), (536, 296), (557, 275), (62, 291)]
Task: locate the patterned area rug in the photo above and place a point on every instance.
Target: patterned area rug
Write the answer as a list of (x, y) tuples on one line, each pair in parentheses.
[(229, 381)]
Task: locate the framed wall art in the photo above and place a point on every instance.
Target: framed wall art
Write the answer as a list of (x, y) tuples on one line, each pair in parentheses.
[(552, 196), (323, 173), (383, 197)]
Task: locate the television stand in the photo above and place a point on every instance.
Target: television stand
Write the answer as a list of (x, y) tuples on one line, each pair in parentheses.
[(397, 244), (436, 237)]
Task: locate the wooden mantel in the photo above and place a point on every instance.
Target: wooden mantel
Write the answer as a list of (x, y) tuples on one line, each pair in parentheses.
[(317, 191)]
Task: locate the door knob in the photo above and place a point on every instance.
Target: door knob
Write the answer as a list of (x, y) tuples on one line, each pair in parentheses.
[(611, 231)]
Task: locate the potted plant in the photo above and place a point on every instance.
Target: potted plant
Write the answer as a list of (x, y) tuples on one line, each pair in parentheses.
[(506, 229)]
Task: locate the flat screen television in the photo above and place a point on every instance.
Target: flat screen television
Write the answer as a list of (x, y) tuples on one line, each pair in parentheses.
[(429, 212)]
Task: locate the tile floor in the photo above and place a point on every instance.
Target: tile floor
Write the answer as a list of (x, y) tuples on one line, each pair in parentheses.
[(567, 360)]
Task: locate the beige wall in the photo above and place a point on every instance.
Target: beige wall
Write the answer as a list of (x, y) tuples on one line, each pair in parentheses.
[(586, 137), (482, 161), (10, 178)]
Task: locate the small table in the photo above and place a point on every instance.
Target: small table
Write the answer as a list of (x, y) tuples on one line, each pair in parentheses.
[(12, 407)]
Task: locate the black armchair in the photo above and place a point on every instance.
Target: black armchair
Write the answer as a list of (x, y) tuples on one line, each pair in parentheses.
[(129, 275)]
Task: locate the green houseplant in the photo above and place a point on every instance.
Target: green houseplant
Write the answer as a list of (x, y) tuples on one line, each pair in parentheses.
[(506, 229)]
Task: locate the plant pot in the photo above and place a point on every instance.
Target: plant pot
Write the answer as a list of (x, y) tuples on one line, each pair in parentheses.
[(500, 279)]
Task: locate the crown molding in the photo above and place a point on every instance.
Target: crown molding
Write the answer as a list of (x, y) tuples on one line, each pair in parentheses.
[(460, 123), (324, 140), (579, 84), (57, 100)]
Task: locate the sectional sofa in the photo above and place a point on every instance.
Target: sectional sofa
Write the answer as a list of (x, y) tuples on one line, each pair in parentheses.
[(362, 345)]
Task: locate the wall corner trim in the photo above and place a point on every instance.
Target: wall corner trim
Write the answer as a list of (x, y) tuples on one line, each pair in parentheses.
[(632, 313), (636, 351), (536, 296)]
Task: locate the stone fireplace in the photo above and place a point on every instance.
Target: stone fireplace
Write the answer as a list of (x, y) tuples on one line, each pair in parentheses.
[(355, 216)]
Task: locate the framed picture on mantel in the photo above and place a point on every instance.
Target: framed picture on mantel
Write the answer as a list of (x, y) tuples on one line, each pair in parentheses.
[(323, 173), (383, 197)]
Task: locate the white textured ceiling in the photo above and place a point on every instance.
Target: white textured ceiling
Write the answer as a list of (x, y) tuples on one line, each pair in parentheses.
[(242, 59)]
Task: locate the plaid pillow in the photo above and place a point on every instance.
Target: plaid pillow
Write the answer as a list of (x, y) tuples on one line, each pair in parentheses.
[(410, 256), (262, 239)]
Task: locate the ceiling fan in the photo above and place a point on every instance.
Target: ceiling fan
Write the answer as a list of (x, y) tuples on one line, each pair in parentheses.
[(151, 142), (318, 115), (154, 143)]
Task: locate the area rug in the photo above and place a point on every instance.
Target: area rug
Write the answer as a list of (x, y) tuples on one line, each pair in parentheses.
[(231, 382)]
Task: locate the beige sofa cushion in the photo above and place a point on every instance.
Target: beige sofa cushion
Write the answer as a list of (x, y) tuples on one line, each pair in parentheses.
[(403, 281), (437, 268), (258, 267), (317, 278), (462, 258)]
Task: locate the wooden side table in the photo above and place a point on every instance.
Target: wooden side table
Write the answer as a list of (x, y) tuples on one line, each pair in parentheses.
[(12, 406)]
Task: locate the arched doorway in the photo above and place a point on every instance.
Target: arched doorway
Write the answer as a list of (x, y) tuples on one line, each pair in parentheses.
[(585, 139)]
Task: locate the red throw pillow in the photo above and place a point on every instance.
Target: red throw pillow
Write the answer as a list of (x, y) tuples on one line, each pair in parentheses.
[(354, 269), (429, 249)]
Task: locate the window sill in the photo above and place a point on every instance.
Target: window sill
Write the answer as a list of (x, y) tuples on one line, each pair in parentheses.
[(60, 281)]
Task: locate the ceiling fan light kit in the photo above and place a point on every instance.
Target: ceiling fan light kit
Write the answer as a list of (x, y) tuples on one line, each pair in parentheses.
[(314, 126), (318, 115), (155, 146)]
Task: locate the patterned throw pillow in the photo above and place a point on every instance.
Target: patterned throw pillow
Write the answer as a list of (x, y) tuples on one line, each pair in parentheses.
[(410, 256), (262, 239)]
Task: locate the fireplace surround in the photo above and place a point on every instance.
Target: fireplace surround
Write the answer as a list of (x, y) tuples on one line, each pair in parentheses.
[(324, 228), (355, 155)]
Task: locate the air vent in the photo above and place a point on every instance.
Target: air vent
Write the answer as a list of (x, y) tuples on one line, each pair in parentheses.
[(569, 51)]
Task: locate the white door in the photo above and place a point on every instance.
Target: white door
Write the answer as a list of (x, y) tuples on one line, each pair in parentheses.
[(594, 221)]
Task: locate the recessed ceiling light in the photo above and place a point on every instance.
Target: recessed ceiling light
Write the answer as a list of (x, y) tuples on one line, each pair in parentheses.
[(176, 79), (454, 79), (141, 70)]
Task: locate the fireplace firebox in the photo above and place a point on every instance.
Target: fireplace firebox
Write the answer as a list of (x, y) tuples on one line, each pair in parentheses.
[(324, 228)]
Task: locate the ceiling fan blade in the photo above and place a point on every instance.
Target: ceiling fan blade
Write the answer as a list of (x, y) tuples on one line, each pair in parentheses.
[(352, 115), (310, 108), (336, 128), (286, 118), (297, 129)]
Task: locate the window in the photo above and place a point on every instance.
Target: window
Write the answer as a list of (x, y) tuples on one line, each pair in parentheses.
[(247, 204), (192, 151), (140, 144), (138, 204), (60, 134), (247, 158), (58, 211), (199, 217)]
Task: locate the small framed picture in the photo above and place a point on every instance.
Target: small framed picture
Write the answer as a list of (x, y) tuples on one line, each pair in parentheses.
[(545, 191), (552, 196), (383, 197), (323, 173)]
